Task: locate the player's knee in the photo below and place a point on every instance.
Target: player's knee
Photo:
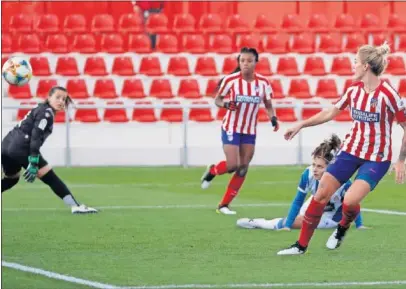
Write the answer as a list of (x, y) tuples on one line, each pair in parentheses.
[(242, 170), (231, 168), (44, 170), (321, 198)]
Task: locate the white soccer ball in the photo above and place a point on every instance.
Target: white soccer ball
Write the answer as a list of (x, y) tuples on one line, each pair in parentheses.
[(17, 71)]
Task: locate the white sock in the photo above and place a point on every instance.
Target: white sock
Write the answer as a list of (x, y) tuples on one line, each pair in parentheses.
[(269, 224), (70, 201)]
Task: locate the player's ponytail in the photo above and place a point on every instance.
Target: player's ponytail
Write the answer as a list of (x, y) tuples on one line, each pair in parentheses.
[(327, 149)]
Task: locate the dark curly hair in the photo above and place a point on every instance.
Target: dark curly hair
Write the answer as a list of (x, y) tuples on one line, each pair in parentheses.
[(327, 149)]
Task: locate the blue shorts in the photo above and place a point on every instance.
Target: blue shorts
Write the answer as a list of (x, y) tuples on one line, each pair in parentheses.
[(235, 138), (345, 165)]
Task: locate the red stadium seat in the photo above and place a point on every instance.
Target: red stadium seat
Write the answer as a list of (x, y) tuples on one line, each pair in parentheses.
[(130, 23), (370, 23), (112, 43), (343, 116), (178, 66), (299, 88), (19, 92), (133, 88), (347, 84), (22, 112), (77, 88), (291, 23), (6, 43), (287, 65), (200, 114), (314, 65), (167, 43), (4, 59), (95, 66), (330, 43), (341, 66), (29, 43), (157, 23), (123, 66), (105, 89), (263, 66), (171, 114), (264, 25), (247, 41), (229, 65), (56, 43), (161, 88), (86, 114), (139, 43), (211, 88), (345, 23), (84, 43), (60, 117), (354, 41), (144, 114), (327, 88), (211, 23), (276, 88), (193, 43), (221, 113), (221, 43), (309, 112), (262, 115), (285, 114), (115, 114), (47, 23), (318, 23), (150, 66), (237, 24), (184, 23), (276, 44), (44, 86), (206, 66), (40, 66), (67, 66), (21, 23), (396, 65), (379, 38), (402, 87), (75, 23), (396, 23), (402, 43), (102, 23), (303, 43), (189, 88)]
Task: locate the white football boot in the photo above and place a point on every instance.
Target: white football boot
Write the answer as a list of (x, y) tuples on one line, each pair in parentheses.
[(82, 209), (207, 178), (295, 249), (248, 223), (335, 240), (225, 211)]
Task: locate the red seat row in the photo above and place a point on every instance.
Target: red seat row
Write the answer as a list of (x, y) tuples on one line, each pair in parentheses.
[(193, 43), (91, 115), (211, 23), (188, 89)]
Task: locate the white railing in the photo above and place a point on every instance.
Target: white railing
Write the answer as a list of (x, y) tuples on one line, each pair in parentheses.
[(297, 106)]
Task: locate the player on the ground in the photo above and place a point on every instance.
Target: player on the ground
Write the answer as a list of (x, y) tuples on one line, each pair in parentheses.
[(367, 148), (21, 149), (245, 91), (309, 182)]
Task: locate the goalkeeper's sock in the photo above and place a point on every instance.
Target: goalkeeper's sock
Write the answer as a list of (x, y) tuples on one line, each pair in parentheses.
[(8, 183), (234, 186), (219, 169), (59, 188)]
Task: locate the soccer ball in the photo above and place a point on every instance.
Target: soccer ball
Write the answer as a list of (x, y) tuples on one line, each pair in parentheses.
[(17, 71)]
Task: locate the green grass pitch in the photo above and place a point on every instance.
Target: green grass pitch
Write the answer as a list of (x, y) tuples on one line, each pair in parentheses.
[(134, 242)]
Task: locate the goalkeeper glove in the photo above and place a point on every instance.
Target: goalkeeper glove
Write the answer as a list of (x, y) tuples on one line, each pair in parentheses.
[(32, 170), (275, 124)]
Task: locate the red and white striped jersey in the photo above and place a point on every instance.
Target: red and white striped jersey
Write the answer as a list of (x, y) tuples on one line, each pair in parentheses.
[(373, 115), (248, 96)]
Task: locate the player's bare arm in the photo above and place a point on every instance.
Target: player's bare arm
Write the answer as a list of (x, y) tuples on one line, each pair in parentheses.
[(271, 113), (399, 166), (219, 101)]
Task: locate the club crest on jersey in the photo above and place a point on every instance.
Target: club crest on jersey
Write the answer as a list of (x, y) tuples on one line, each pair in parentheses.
[(364, 116), (257, 89), (374, 102), (248, 99)]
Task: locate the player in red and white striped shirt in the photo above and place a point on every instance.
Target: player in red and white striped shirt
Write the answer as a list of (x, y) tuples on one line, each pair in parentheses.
[(374, 106), (245, 91)]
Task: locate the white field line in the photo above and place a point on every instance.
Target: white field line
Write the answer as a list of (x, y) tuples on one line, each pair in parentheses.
[(70, 279), (194, 206)]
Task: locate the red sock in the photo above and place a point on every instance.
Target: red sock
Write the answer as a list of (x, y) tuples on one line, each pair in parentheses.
[(310, 221), (349, 214), (219, 169), (232, 190)]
